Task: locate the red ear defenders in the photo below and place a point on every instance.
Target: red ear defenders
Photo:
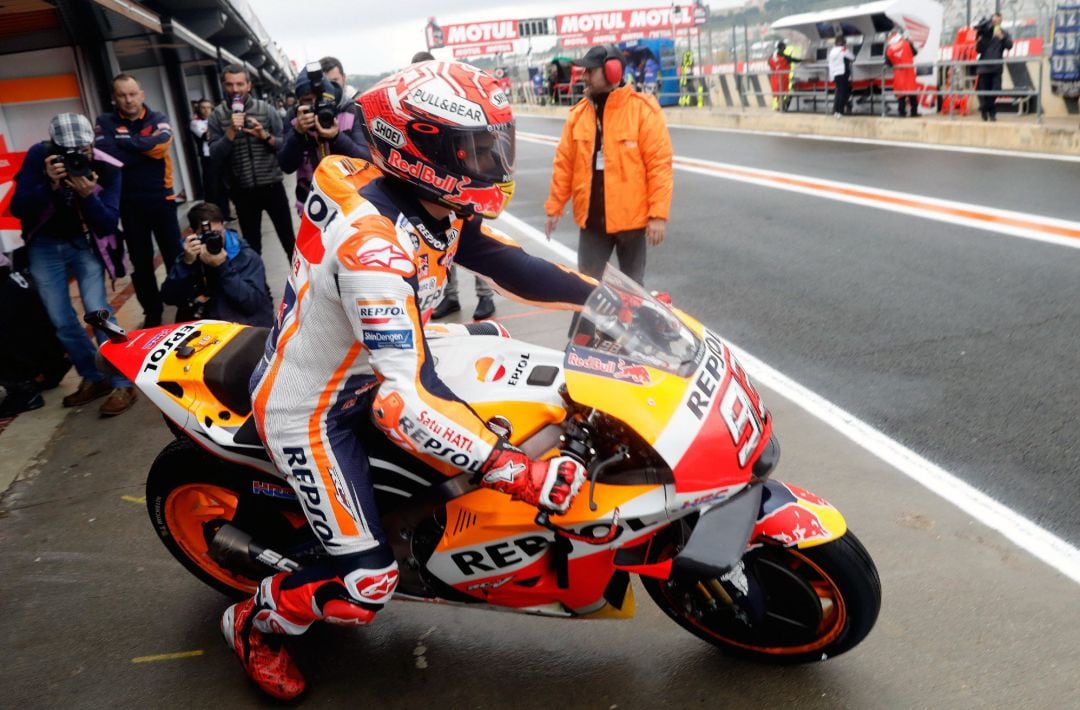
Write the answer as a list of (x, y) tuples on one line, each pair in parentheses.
[(613, 66)]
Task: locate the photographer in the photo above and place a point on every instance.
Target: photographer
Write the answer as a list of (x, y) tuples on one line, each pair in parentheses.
[(991, 43), (67, 196), (320, 128), (218, 275)]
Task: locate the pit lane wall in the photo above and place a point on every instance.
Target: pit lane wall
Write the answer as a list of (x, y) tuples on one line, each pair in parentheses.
[(1056, 136)]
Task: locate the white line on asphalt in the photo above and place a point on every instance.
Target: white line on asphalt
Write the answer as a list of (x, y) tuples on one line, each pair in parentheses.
[(1015, 224), (1041, 543), (867, 141)]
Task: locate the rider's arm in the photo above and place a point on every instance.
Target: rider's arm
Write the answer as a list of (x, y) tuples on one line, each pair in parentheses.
[(523, 276), (416, 410), (413, 407)]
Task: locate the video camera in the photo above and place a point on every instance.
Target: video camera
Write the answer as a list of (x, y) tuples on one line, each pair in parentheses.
[(325, 106), (213, 240)]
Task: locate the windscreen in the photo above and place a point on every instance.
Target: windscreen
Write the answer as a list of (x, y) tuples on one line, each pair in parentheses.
[(621, 319)]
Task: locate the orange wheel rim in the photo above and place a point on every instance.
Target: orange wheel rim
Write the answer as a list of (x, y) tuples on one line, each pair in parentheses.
[(833, 615), (187, 509)]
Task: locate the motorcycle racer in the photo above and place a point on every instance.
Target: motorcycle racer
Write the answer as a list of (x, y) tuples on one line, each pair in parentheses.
[(371, 259)]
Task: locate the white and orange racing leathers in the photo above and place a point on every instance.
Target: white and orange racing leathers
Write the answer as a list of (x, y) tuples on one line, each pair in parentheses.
[(370, 264)]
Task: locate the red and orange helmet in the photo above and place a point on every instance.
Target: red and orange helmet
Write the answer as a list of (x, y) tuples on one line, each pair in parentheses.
[(446, 129)]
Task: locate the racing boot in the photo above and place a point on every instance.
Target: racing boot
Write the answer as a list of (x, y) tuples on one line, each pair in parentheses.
[(264, 656)]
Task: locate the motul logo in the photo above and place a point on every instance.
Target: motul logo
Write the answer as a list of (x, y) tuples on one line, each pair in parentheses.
[(591, 22), (388, 133), (481, 32)]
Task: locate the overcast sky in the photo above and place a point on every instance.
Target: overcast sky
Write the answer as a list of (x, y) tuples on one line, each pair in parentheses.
[(370, 37)]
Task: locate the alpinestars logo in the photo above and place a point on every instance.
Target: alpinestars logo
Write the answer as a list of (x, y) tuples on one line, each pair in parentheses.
[(389, 257), (376, 588), (504, 473)]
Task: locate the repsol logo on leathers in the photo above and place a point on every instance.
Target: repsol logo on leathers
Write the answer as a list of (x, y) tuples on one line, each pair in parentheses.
[(310, 496)]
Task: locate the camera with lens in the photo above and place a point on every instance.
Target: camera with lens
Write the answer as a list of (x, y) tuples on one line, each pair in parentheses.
[(213, 240), (74, 160), (325, 106)]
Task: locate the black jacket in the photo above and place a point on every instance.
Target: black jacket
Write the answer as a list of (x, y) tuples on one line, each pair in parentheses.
[(250, 162), (237, 289), (990, 47)]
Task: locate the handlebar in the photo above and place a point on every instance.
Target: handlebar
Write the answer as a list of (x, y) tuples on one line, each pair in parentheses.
[(100, 321)]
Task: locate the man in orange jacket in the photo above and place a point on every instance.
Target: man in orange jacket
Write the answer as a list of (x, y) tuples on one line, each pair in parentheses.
[(614, 160)]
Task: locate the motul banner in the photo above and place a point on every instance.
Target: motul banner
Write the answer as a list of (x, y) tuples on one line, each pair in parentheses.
[(622, 21), (593, 40), (480, 32), (481, 50)]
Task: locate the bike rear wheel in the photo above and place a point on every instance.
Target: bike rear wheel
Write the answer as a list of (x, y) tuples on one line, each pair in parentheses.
[(818, 602), (189, 495)]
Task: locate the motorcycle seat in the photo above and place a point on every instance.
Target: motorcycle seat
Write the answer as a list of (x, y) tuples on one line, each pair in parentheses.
[(227, 374)]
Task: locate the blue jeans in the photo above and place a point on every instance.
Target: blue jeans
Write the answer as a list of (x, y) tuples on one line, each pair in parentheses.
[(50, 259)]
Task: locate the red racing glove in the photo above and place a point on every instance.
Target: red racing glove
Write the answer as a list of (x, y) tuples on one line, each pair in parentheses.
[(549, 485)]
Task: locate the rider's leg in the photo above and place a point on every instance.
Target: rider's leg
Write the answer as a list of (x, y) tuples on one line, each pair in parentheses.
[(329, 471)]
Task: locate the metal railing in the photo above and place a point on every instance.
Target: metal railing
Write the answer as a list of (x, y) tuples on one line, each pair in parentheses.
[(956, 82)]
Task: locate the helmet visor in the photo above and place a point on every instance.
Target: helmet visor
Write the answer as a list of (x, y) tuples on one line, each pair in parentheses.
[(485, 153)]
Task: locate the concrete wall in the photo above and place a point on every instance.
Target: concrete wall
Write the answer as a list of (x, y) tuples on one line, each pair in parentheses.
[(1057, 136)]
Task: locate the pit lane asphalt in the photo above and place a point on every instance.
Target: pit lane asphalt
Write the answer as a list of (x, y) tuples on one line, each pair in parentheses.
[(967, 619), (959, 343)]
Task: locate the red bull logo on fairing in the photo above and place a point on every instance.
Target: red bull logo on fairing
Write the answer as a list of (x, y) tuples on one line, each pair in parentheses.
[(635, 373), (791, 524)]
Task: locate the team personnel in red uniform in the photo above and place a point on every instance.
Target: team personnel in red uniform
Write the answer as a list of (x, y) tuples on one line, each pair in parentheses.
[(371, 260), (780, 63), (900, 55)]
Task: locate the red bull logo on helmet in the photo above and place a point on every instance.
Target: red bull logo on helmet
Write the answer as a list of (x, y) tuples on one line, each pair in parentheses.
[(485, 200)]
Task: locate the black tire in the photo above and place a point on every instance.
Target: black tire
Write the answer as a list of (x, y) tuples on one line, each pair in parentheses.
[(838, 577), (189, 493)]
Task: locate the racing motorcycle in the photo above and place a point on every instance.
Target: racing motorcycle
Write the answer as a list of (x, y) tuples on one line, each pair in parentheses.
[(679, 450)]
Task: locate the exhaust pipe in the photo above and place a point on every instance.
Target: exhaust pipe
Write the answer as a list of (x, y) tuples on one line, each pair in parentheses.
[(232, 547)]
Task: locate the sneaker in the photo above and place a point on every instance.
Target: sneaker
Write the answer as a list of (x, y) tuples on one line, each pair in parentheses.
[(119, 401), (264, 657), (485, 308), (445, 308), (20, 397), (88, 391)]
